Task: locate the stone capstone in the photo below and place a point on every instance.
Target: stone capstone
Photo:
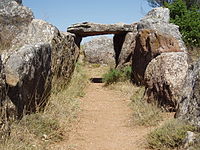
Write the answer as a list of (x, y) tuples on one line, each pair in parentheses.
[(100, 51), (188, 108), (164, 79), (150, 44), (90, 29)]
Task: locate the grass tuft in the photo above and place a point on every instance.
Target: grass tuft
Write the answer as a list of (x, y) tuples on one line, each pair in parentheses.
[(144, 114), (42, 126), (170, 135)]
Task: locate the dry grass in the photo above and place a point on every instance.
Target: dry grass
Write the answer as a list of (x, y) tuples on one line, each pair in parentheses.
[(39, 131), (170, 135), (144, 114), (126, 88)]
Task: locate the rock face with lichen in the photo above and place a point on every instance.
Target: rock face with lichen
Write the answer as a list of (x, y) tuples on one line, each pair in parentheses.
[(188, 108), (29, 76), (158, 19), (164, 79), (65, 51), (14, 19), (150, 44), (100, 51), (33, 52)]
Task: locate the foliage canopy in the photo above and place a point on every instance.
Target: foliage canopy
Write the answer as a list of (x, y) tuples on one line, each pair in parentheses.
[(157, 3), (185, 14)]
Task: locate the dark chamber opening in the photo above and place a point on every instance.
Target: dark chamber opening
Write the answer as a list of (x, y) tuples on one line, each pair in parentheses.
[(96, 80)]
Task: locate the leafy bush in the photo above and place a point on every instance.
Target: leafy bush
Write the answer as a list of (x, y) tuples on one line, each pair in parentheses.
[(115, 75), (158, 3), (144, 113), (170, 135), (188, 20)]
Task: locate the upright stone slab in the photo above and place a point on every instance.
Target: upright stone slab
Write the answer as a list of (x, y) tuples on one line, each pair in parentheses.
[(33, 50), (124, 44), (150, 44), (28, 74), (158, 19), (164, 79), (189, 106)]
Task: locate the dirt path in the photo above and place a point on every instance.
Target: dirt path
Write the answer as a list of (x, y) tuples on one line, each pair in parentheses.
[(105, 122)]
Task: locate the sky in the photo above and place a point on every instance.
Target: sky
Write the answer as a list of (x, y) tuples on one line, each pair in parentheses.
[(63, 13)]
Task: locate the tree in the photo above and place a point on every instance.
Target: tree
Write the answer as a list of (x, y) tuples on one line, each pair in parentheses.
[(188, 21), (158, 3), (185, 14), (189, 3)]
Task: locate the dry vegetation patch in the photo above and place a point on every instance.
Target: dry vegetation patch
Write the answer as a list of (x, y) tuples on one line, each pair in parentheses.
[(144, 114), (39, 131), (170, 135)]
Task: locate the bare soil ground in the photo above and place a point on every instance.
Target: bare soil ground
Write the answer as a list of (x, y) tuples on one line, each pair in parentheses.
[(105, 121)]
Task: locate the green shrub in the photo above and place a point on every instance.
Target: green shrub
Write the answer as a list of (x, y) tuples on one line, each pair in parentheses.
[(188, 20), (144, 114), (170, 135), (115, 75), (127, 72)]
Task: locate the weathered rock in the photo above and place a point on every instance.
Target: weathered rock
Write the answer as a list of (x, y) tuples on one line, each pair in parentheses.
[(189, 105), (19, 28), (90, 29), (189, 140), (158, 19), (19, 1), (150, 44), (3, 3), (28, 74), (65, 51), (100, 51), (124, 44), (164, 79), (14, 19), (64, 61)]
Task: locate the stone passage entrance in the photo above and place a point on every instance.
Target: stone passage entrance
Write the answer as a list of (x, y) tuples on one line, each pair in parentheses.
[(124, 34)]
